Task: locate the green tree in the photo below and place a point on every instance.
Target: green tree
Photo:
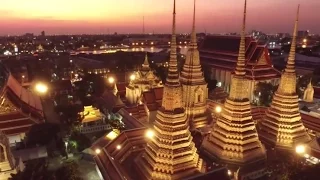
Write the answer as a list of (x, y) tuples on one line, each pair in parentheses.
[(264, 92), (35, 170), (69, 171)]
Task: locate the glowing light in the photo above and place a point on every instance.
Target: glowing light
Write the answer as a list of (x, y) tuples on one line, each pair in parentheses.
[(229, 173), (149, 134), (41, 88), (304, 46), (151, 43), (304, 40), (98, 151), (118, 147), (111, 80), (112, 135), (132, 77), (130, 114), (218, 109), (300, 149), (23, 76)]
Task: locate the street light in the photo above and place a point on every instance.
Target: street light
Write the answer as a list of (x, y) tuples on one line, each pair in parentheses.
[(218, 109), (41, 88), (300, 149), (132, 77), (149, 134), (97, 151), (229, 173), (118, 147), (111, 80)]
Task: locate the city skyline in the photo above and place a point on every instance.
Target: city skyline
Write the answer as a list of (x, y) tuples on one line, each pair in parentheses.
[(125, 16)]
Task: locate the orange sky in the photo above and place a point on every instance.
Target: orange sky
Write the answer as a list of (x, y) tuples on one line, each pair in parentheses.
[(125, 16)]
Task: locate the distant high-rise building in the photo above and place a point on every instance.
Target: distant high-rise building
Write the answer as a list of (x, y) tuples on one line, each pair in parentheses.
[(303, 34), (43, 33)]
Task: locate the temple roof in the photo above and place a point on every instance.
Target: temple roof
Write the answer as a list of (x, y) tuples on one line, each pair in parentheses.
[(153, 98), (221, 52), (23, 94)]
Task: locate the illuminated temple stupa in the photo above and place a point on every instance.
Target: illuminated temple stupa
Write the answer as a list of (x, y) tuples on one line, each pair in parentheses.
[(170, 153), (234, 139), (282, 125), (194, 87), (308, 93)]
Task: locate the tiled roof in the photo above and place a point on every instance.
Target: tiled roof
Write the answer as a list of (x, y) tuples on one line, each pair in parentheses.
[(15, 123), (221, 52), (23, 94)]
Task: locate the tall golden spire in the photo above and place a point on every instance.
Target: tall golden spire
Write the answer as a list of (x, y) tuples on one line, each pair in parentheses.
[(170, 153), (240, 67), (282, 125), (194, 86), (193, 43), (292, 55), (234, 138), (173, 75)]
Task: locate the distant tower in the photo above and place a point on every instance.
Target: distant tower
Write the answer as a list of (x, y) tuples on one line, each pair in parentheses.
[(8, 164), (194, 86), (16, 50), (43, 34), (282, 124), (170, 153), (234, 139), (308, 93)]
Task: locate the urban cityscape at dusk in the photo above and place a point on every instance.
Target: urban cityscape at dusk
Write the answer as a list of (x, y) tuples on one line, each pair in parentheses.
[(125, 16), (160, 90)]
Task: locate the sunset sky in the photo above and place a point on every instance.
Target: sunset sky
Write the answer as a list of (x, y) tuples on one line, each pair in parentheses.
[(125, 16)]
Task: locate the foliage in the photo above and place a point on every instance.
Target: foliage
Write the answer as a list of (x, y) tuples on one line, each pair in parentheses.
[(38, 170), (69, 171), (264, 92), (35, 170), (161, 72), (42, 134), (79, 141)]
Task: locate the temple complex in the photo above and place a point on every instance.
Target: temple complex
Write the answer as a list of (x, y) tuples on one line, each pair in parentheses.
[(194, 87), (8, 164), (282, 125), (141, 81), (308, 93), (170, 152), (218, 55), (234, 139)]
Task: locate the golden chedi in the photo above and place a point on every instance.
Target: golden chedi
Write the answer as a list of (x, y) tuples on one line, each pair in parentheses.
[(170, 152), (234, 138), (282, 125), (194, 87)]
